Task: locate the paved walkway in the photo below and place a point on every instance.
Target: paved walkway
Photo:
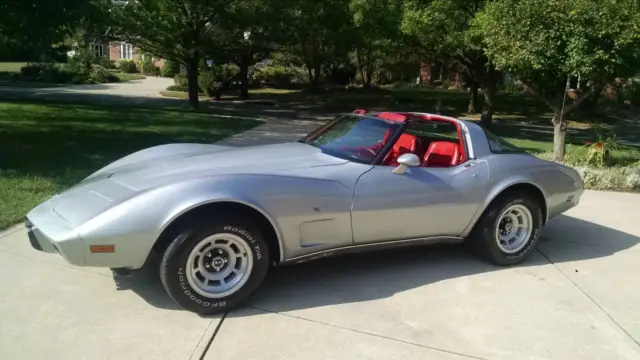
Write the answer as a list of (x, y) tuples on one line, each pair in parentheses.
[(576, 298)]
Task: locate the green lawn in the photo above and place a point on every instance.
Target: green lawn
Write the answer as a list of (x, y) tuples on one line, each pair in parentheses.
[(128, 77), (46, 148), (11, 66)]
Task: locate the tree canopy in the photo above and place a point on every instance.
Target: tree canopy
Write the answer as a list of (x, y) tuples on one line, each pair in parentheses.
[(543, 42)]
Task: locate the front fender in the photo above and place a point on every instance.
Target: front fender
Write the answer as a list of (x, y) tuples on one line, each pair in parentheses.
[(133, 226), (496, 190)]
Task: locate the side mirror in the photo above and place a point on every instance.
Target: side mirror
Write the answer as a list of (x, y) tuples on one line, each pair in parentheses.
[(405, 161)]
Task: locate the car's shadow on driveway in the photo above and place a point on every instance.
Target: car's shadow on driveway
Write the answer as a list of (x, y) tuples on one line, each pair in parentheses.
[(377, 275)]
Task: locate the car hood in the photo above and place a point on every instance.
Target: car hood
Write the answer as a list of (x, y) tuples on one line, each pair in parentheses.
[(170, 163)]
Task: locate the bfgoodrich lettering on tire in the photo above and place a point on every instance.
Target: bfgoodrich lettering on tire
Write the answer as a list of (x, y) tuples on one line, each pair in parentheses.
[(210, 267), (508, 231)]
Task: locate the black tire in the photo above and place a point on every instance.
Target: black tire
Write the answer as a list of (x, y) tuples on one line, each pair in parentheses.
[(172, 267), (483, 238)]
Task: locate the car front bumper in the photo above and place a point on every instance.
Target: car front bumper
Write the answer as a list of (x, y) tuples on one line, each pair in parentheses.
[(48, 235)]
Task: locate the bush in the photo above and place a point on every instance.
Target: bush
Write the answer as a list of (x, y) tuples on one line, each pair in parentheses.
[(147, 67), (101, 75), (107, 63), (30, 70), (79, 79), (181, 80), (209, 84), (81, 63), (170, 68), (631, 92), (55, 75), (280, 76), (178, 88), (128, 66)]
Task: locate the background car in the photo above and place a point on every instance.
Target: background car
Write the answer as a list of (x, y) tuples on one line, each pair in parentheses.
[(221, 216)]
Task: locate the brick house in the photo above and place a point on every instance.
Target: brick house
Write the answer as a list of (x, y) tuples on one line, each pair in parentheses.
[(117, 51)]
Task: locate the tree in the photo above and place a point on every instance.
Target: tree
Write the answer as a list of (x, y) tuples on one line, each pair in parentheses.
[(543, 42), (174, 29), (316, 31), (376, 36), (441, 29), (39, 24), (246, 35)]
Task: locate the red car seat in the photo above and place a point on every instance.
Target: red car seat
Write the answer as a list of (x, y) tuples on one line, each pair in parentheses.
[(406, 144), (441, 154)]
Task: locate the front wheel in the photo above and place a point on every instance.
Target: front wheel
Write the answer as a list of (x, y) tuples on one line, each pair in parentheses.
[(508, 231), (210, 267)]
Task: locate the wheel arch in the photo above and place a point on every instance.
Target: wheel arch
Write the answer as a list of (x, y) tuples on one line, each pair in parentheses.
[(510, 187), (226, 206)]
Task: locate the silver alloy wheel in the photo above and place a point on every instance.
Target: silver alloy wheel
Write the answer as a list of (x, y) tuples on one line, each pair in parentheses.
[(219, 265), (514, 228)]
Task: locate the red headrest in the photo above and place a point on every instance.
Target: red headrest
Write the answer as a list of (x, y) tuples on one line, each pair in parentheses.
[(392, 116), (406, 143), (441, 154)]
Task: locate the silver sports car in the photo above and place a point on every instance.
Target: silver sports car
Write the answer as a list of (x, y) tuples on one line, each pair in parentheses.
[(222, 216)]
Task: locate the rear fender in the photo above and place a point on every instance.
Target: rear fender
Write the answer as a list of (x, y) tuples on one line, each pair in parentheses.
[(496, 190)]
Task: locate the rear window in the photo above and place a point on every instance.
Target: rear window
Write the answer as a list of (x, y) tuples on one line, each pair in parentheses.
[(499, 145)]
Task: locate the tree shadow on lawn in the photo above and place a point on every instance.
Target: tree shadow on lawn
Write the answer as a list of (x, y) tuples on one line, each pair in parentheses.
[(379, 275), (70, 142)]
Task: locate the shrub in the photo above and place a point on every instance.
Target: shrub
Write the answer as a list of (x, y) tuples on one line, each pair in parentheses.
[(79, 79), (209, 84), (30, 70), (128, 66), (55, 74), (101, 75), (107, 63), (170, 69), (631, 92), (280, 76), (81, 63), (178, 88), (147, 67), (181, 80)]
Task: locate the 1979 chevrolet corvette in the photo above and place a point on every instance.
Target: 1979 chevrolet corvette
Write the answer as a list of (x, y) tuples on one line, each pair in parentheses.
[(221, 216)]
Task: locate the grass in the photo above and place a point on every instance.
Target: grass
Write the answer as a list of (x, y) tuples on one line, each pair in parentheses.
[(45, 148), (11, 66), (129, 77)]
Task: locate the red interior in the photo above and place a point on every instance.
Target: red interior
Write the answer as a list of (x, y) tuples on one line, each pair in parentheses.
[(441, 154), (405, 144), (392, 116), (438, 154)]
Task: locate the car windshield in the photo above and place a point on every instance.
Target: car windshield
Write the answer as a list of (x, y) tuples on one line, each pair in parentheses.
[(354, 138)]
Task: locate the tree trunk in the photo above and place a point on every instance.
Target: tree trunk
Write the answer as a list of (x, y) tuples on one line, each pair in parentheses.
[(244, 77), (559, 133), (486, 119), (192, 78), (474, 103)]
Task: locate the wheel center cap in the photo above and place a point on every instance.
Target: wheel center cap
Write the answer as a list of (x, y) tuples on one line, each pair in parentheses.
[(508, 227), (217, 263)]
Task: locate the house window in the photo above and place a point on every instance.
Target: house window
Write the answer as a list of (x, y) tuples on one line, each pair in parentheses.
[(126, 51), (97, 49)]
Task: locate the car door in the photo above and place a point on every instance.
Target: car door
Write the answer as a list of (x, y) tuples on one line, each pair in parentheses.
[(422, 202)]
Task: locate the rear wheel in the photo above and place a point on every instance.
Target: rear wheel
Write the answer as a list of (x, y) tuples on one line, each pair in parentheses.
[(508, 231), (210, 267)]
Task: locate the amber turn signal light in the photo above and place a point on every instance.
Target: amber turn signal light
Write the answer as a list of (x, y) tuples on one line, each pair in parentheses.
[(102, 248)]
